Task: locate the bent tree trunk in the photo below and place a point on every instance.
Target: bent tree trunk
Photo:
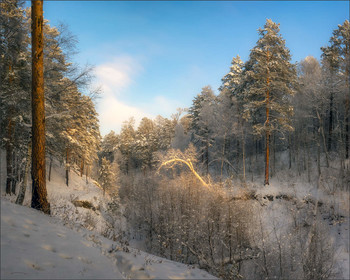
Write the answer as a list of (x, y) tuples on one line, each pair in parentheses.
[(39, 193)]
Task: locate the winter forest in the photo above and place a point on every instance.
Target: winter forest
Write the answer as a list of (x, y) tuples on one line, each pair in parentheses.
[(252, 181)]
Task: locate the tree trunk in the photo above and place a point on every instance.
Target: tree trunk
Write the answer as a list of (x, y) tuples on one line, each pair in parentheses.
[(290, 151), (81, 167), (22, 190), (243, 153), (207, 154), (9, 153), (39, 193), (267, 149), (67, 166), (330, 128), (347, 106), (267, 158), (222, 156), (50, 167), (87, 173), (15, 173), (273, 155)]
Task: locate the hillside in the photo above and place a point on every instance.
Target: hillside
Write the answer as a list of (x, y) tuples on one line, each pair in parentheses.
[(37, 246), (32, 247)]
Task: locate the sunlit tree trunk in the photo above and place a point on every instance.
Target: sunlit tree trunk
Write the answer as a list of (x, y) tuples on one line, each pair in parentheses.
[(39, 193)]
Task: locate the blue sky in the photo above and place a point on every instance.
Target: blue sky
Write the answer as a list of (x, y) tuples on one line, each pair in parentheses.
[(153, 57)]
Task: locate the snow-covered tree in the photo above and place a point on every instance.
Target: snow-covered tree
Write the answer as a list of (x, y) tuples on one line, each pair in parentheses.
[(202, 114), (126, 144), (106, 176), (231, 80), (269, 80), (15, 87), (336, 62)]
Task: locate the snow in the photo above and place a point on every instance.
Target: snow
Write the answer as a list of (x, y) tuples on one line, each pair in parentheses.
[(35, 246), (38, 246)]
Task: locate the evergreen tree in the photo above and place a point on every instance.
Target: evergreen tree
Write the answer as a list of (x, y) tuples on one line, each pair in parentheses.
[(202, 114), (14, 86), (336, 58), (106, 175), (269, 79)]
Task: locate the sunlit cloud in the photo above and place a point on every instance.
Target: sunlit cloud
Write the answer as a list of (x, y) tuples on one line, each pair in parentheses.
[(114, 78), (116, 75), (114, 112)]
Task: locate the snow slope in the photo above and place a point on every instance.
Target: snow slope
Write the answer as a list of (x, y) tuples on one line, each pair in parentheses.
[(37, 246)]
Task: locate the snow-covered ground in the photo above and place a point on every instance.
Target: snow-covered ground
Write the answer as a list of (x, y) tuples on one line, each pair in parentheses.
[(38, 246), (34, 245)]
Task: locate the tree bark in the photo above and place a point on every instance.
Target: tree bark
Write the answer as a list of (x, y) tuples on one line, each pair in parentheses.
[(22, 190), (50, 167), (39, 193), (67, 166), (81, 167), (9, 152), (347, 103), (267, 148), (330, 128)]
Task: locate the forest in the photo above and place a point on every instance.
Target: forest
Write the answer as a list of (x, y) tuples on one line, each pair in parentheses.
[(251, 182)]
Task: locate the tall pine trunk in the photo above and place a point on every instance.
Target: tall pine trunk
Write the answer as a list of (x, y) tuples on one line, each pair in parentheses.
[(39, 193)]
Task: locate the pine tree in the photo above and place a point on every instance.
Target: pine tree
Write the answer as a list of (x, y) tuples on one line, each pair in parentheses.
[(230, 113), (14, 86), (337, 57), (106, 175), (269, 78), (231, 80), (127, 143), (202, 117)]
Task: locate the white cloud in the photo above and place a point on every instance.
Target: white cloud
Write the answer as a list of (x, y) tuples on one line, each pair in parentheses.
[(112, 114), (113, 78)]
